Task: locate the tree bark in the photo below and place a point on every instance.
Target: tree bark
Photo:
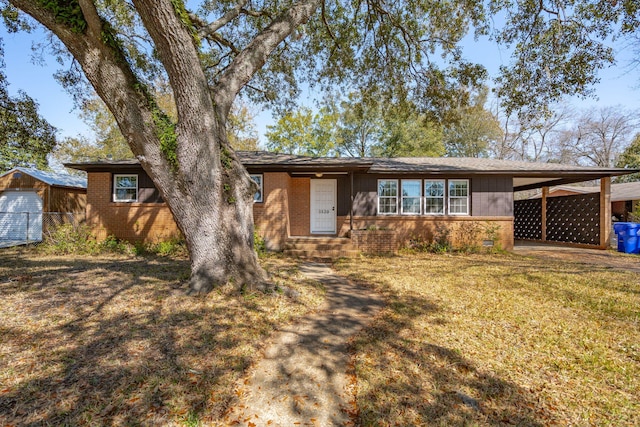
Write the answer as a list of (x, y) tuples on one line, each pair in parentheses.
[(208, 191)]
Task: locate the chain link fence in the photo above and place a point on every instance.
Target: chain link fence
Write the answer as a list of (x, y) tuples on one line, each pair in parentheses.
[(32, 227)]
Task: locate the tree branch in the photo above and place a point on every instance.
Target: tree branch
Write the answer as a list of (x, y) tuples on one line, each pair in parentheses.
[(255, 55), (107, 71), (224, 42), (209, 29), (180, 56), (94, 23), (326, 24)]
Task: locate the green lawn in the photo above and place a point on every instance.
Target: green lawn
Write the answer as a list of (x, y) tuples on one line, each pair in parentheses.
[(498, 339)]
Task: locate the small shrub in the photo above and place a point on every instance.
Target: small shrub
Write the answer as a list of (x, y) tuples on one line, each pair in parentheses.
[(418, 244), (259, 244), (171, 247), (114, 245), (67, 239), (440, 243), (441, 240), (468, 237), (492, 233)]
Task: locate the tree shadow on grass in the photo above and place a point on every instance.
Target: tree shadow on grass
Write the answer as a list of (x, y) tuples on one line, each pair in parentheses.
[(403, 379), (104, 342), (300, 379)]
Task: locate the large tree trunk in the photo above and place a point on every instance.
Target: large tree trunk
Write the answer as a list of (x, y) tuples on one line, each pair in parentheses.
[(207, 189), (216, 219)]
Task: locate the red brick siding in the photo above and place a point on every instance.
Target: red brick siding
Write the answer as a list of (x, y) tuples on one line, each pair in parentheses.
[(300, 205), (375, 241), (271, 217), (146, 222), (425, 228)]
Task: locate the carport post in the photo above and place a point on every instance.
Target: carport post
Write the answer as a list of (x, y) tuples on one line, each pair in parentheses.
[(545, 193), (605, 212)]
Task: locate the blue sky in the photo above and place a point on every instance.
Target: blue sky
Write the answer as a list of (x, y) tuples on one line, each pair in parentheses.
[(620, 85)]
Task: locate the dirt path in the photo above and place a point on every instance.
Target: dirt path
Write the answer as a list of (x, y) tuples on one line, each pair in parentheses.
[(595, 257), (301, 379)]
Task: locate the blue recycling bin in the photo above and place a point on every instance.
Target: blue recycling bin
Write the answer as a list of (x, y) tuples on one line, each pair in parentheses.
[(632, 229), (621, 228), (620, 235), (627, 233), (630, 244)]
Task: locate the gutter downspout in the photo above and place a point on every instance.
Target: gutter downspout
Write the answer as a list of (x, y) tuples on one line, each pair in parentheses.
[(351, 204)]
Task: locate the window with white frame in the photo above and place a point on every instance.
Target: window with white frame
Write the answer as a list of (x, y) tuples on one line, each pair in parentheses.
[(125, 188), (458, 197), (411, 196), (257, 197), (434, 197), (387, 196)]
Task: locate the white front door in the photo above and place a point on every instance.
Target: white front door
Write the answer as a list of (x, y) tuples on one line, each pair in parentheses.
[(323, 206)]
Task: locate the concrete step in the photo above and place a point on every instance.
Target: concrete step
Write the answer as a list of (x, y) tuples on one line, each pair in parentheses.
[(319, 246), (323, 255), (319, 240)]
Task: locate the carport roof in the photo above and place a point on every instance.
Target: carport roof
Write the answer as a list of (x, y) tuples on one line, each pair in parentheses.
[(526, 175)]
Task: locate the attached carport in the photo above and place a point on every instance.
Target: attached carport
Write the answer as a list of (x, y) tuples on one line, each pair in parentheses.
[(582, 220)]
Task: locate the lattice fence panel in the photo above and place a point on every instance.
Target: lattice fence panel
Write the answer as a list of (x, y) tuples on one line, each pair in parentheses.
[(528, 219), (574, 219)]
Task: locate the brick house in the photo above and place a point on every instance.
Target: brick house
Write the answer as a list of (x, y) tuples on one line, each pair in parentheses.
[(370, 204)]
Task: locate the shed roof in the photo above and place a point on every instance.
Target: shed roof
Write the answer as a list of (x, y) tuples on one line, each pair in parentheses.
[(51, 178)]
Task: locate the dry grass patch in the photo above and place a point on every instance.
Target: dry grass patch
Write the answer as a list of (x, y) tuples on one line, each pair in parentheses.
[(109, 340), (498, 339)]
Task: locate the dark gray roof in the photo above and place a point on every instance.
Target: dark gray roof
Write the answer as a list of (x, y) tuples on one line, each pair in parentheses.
[(476, 165), (52, 178), (290, 161), (526, 174)]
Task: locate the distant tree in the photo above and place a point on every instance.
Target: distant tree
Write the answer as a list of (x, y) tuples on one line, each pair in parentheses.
[(543, 138), (602, 134), (300, 132), (474, 132), (360, 124), (630, 159), (241, 128), (409, 134), (511, 146), (356, 126), (26, 138), (108, 142)]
